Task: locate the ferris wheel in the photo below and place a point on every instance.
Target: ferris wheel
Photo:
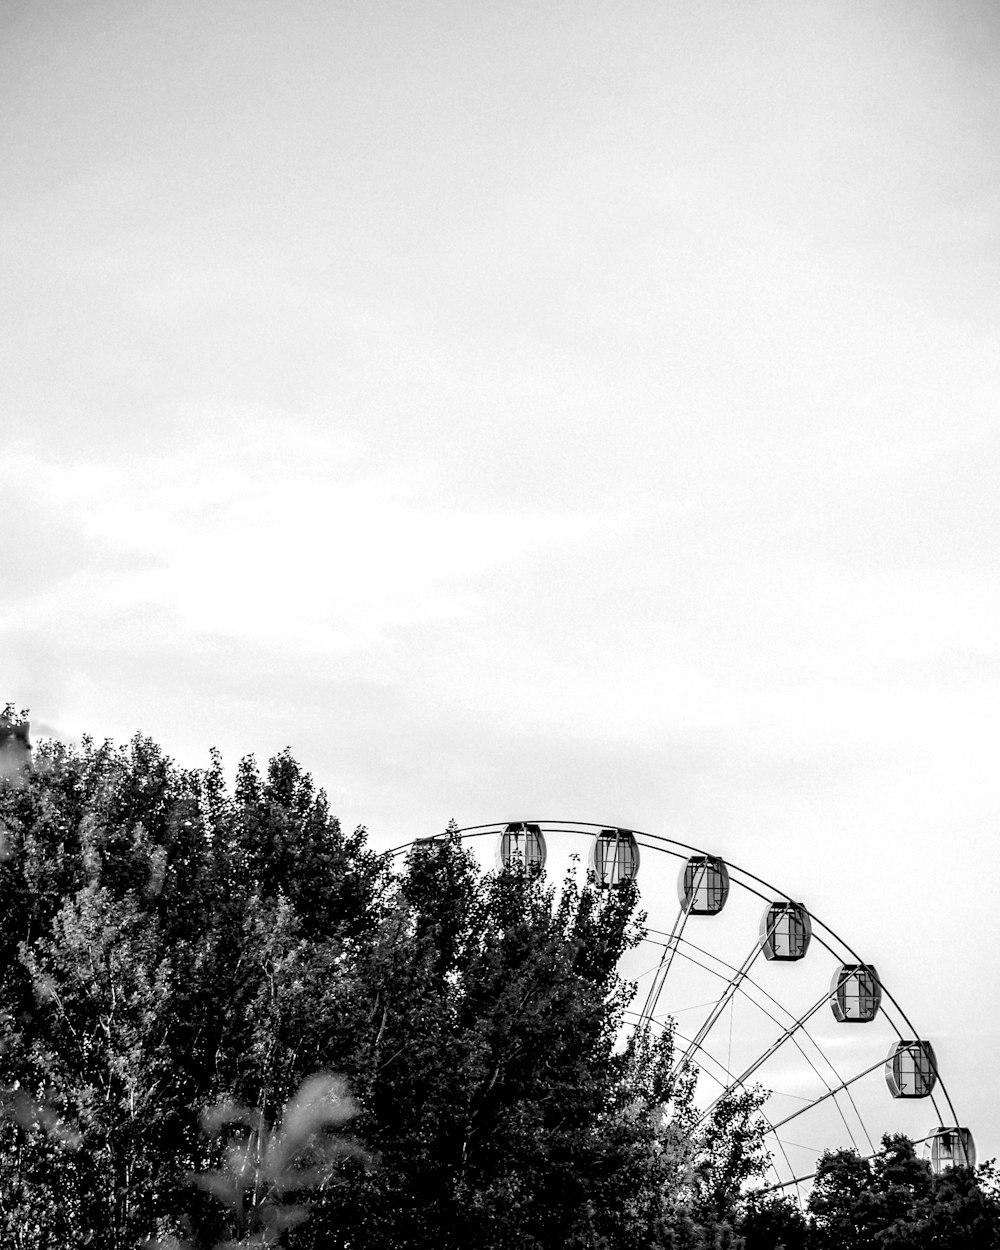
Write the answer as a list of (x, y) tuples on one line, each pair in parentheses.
[(759, 991)]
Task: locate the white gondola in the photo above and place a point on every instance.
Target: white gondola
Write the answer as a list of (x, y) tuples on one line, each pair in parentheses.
[(910, 1069), (950, 1148), (703, 885), (523, 844), (855, 993), (785, 930), (614, 858)]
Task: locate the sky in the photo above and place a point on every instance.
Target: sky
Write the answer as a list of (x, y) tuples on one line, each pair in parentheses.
[(566, 410)]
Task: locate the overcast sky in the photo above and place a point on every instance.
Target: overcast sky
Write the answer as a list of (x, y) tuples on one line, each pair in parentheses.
[(584, 410)]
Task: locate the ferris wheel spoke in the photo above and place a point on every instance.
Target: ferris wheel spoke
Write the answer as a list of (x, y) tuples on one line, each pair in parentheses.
[(759, 989), (830, 1093), (666, 962), (689, 894), (764, 1010), (771, 1050), (740, 1082), (795, 1040), (725, 998), (769, 1128)]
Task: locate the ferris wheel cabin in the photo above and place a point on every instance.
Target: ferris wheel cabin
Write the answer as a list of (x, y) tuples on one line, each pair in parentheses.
[(614, 858), (950, 1148), (855, 993), (521, 843), (785, 930), (910, 1069), (703, 885)]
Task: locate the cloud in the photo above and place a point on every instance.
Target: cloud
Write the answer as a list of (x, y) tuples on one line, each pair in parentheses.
[(264, 533)]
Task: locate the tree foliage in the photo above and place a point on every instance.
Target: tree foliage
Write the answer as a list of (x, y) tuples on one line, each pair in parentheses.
[(178, 962), (895, 1201)]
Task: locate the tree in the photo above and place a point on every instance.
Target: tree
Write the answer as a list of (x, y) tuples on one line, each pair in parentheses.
[(771, 1221), (963, 1211), (894, 1200), (173, 951)]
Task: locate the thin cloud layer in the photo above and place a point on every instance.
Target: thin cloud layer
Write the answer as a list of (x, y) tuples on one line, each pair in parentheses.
[(268, 536)]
